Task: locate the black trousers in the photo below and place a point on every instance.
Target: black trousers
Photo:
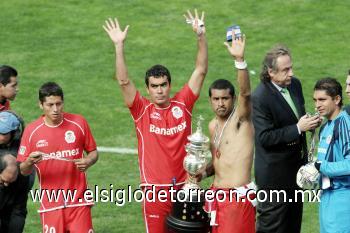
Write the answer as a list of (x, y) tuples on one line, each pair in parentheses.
[(12, 221), (13, 205), (279, 216)]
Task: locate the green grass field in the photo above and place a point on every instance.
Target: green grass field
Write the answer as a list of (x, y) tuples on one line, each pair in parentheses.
[(63, 41)]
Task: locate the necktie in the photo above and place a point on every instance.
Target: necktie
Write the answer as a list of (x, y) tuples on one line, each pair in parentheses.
[(285, 93)]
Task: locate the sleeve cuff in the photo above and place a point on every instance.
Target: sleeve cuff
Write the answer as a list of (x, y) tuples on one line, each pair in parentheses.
[(317, 165), (298, 129)]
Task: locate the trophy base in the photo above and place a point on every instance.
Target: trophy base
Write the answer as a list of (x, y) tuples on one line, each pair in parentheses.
[(188, 217)]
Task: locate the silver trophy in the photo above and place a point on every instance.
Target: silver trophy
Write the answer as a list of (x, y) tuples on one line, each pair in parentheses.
[(308, 175), (188, 215), (198, 156)]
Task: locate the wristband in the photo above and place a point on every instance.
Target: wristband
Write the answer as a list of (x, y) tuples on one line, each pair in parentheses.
[(241, 65)]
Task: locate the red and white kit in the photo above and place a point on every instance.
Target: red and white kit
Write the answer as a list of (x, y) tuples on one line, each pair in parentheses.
[(162, 136), (235, 214), (68, 140)]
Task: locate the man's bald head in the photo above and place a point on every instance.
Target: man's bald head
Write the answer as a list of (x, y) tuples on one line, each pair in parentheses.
[(8, 169)]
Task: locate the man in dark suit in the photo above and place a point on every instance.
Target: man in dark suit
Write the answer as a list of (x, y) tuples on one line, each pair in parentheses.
[(280, 124)]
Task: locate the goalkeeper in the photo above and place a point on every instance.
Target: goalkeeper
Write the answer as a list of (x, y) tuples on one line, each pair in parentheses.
[(333, 157)]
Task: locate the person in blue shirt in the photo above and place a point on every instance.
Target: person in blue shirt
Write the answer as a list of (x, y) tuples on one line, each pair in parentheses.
[(347, 90), (333, 160)]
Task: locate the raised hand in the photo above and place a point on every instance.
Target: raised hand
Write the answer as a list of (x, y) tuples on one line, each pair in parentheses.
[(197, 24), (236, 49), (114, 31)]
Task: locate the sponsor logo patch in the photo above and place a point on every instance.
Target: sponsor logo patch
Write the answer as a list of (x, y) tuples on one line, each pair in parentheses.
[(62, 154), (167, 131), (155, 115), (42, 143)]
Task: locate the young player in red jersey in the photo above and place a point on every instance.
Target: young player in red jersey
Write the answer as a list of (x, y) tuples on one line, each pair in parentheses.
[(162, 123), (54, 144), (8, 86)]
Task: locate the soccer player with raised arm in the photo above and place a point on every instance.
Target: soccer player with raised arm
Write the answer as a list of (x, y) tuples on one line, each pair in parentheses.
[(162, 123), (232, 143)]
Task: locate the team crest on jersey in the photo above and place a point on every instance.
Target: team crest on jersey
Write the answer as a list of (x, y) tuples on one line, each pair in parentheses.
[(177, 112), (42, 143), (155, 115), (22, 150), (69, 136), (329, 139)]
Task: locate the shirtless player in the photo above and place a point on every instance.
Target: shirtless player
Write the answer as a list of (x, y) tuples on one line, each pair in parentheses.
[(232, 135)]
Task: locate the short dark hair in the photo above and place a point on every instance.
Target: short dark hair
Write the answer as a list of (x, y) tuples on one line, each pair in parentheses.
[(157, 71), (6, 72), (270, 61), (331, 86), (222, 84), (50, 89)]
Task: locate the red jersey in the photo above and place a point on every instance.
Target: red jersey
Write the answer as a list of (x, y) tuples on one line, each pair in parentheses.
[(67, 140), (162, 136)]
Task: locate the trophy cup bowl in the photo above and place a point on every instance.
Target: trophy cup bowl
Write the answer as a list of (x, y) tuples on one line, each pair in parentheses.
[(195, 161), (194, 165)]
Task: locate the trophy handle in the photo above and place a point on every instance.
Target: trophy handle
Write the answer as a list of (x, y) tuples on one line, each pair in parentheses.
[(310, 155), (199, 123)]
